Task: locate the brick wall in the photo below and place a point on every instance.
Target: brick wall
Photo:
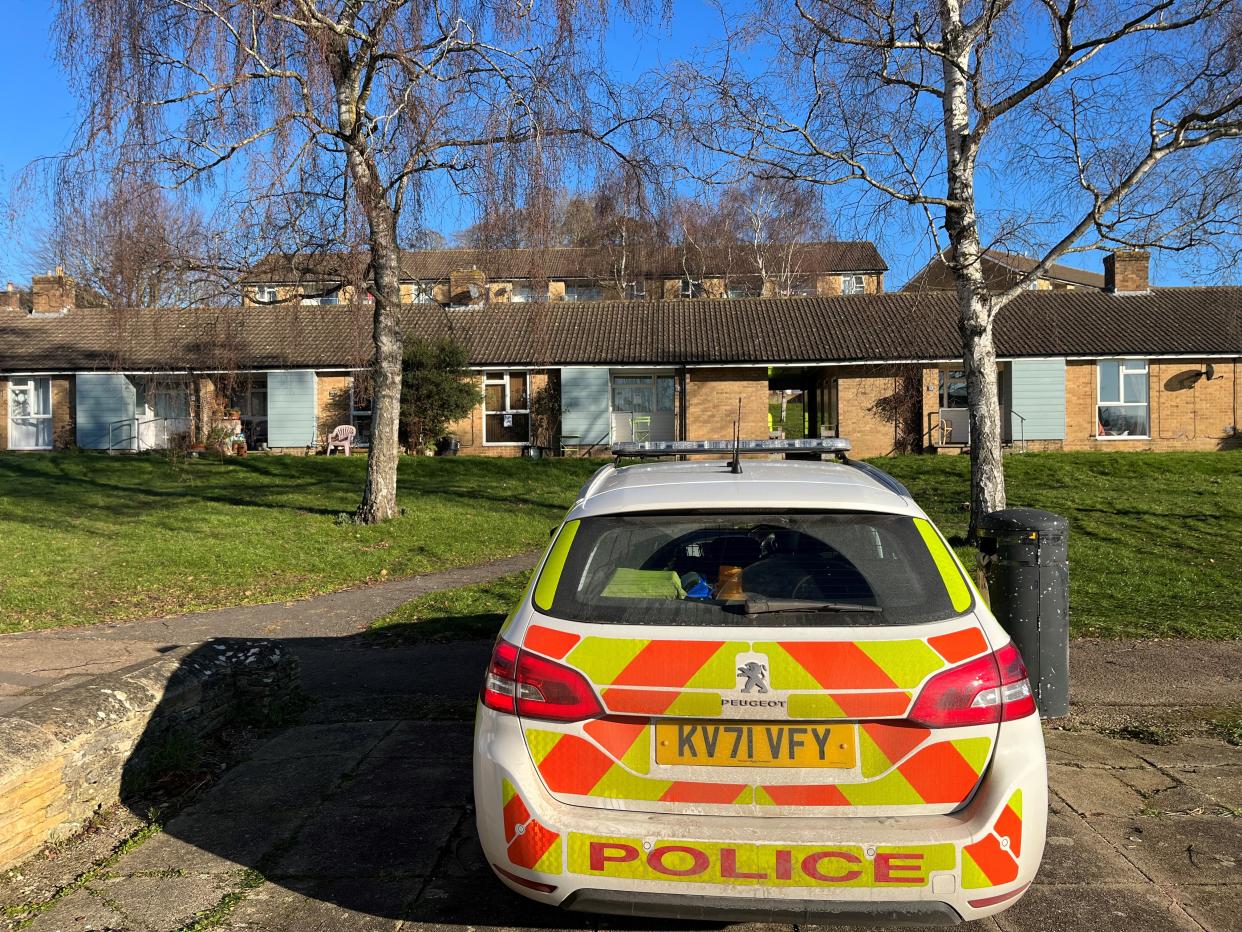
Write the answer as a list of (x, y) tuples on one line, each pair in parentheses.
[(828, 286), (866, 414), (469, 430), (711, 403), (331, 402), (1186, 413), (66, 755), (4, 413)]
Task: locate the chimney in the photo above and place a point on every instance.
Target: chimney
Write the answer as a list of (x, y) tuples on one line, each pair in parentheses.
[(53, 292), (467, 286), (11, 298), (1126, 271)]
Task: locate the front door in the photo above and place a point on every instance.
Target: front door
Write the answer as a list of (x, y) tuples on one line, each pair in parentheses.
[(30, 414), (644, 407)]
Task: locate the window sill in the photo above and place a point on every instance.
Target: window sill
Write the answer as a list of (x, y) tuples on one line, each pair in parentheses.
[(1121, 437)]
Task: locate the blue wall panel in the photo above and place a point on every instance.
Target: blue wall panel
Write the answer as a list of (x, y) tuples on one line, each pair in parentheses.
[(291, 420), (585, 406), (1037, 392), (103, 399)]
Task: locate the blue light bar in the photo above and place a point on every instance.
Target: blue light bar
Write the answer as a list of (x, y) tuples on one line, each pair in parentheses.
[(650, 448)]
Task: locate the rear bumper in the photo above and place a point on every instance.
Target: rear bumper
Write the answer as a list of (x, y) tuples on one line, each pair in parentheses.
[(749, 909), (890, 870)]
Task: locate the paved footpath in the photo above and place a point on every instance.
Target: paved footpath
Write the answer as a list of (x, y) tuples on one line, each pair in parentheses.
[(359, 816)]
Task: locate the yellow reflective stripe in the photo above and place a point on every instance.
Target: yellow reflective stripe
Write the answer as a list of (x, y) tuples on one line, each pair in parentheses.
[(814, 706), (906, 663), (975, 751), (720, 670), (973, 878), (954, 581), (553, 859), (785, 670), (1015, 803), (619, 783), (696, 705), (507, 792), (550, 577), (892, 789), (541, 743), (601, 660)]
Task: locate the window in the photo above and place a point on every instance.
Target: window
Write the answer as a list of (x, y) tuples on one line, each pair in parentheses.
[(525, 292), (636, 291), (583, 290), (30, 414), (703, 568), (744, 288), (321, 293), (802, 288), (853, 284), (953, 389), (249, 396), (360, 408), (421, 292), (691, 288), (506, 407), (643, 394), (1122, 409), (266, 294)]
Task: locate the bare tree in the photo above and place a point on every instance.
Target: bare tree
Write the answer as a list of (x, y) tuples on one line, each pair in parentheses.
[(1085, 125), (775, 218), (135, 246), (331, 118)]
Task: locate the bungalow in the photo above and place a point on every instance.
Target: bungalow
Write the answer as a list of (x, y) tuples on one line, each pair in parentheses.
[(1156, 369)]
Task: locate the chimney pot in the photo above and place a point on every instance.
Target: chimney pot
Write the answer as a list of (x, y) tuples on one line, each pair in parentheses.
[(1127, 271)]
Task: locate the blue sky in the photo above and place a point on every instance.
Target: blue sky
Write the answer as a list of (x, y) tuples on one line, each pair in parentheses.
[(39, 115)]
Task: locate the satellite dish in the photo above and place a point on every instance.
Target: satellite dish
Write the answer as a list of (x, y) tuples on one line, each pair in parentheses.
[(476, 292), (1209, 371)]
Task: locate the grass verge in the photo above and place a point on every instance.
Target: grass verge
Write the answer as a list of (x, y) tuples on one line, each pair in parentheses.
[(469, 613)]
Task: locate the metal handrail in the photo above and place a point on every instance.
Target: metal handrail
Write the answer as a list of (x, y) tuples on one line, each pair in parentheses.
[(136, 438)]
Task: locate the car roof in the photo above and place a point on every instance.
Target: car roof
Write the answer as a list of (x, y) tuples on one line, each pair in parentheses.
[(761, 485)]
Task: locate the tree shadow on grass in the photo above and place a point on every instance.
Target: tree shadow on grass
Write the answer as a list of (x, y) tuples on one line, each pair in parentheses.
[(361, 806)]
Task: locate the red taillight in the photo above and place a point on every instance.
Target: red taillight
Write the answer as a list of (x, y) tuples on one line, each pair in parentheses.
[(990, 689), (519, 682), (532, 884)]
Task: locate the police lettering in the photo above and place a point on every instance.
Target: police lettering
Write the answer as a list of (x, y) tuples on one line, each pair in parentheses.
[(756, 864)]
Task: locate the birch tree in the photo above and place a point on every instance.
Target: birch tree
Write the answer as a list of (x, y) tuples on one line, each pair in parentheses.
[(1044, 126), (318, 119)]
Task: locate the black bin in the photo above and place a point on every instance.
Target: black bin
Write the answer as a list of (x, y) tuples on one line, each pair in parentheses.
[(1026, 555)]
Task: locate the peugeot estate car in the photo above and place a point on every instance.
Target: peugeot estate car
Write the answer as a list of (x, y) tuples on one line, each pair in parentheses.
[(758, 689)]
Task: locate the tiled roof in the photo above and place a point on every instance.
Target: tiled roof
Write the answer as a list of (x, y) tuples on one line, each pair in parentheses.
[(996, 263), (562, 263), (889, 327)]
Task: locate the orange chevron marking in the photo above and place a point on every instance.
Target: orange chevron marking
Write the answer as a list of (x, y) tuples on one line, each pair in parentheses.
[(639, 701), (515, 813), (993, 860), (873, 705), (838, 665), (683, 792), (533, 844), (896, 741), (959, 645), (667, 663), (549, 641), (810, 795), (616, 735), (940, 774), (1010, 824), (574, 765)]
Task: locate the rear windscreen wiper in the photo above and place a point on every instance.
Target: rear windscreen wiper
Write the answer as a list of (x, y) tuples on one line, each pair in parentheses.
[(771, 606)]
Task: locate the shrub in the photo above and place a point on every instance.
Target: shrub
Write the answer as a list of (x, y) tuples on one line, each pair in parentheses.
[(436, 389)]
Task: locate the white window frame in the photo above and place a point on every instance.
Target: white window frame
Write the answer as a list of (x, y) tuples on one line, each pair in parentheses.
[(1121, 394), (575, 285), (326, 299), (504, 381), (523, 292), (30, 382), (422, 292), (636, 291), (853, 283), (267, 294), (691, 288)]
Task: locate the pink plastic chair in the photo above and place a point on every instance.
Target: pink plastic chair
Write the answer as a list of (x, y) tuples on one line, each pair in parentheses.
[(341, 438)]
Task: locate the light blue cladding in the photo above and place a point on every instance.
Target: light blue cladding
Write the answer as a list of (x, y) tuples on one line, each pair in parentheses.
[(103, 399), (291, 409), (585, 411), (1037, 392)]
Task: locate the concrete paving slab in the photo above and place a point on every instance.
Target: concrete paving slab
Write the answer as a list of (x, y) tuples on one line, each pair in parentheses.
[(1158, 673), (212, 842), (1173, 850), (428, 741), (162, 902), (80, 911), (1191, 754), (1088, 908), (1222, 785), (262, 786), (1093, 792), (386, 781), (1088, 749), (344, 739), (1214, 907), (273, 907), (342, 841), (482, 902), (1075, 853)]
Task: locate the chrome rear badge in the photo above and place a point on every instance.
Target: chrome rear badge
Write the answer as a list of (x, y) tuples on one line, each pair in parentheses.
[(756, 676)]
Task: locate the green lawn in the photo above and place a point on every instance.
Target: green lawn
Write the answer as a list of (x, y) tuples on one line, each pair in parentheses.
[(1155, 538), (795, 419), (90, 538), (471, 612)]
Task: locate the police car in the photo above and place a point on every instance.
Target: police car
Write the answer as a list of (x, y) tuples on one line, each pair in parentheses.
[(757, 689)]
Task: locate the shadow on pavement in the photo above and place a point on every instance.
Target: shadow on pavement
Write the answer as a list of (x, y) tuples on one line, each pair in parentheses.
[(357, 814)]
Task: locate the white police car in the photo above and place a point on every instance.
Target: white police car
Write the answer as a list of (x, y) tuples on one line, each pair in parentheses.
[(758, 690)]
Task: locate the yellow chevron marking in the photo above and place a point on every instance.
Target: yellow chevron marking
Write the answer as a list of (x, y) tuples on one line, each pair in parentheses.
[(553, 860), (814, 706), (720, 671), (541, 743), (601, 660), (550, 576), (907, 663), (786, 673), (954, 580)]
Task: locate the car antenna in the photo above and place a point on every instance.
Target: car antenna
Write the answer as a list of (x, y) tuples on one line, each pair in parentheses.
[(735, 467)]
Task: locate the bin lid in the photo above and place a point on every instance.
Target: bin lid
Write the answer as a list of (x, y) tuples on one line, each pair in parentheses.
[(1017, 520)]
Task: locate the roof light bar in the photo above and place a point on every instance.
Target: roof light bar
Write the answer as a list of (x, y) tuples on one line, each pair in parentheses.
[(651, 448)]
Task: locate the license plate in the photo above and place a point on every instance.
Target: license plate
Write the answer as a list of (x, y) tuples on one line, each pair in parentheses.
[(755, 745)]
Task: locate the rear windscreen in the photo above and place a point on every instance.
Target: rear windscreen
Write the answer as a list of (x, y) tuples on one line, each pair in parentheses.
[(805, 569)]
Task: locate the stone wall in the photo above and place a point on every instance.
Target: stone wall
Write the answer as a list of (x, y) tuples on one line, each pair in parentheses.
[(68, 754)]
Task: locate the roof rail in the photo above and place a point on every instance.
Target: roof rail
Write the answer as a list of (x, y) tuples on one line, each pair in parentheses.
[(655, 448), (880, 476)]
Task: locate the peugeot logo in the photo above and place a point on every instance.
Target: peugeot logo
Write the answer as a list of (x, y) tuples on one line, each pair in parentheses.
[(756, 676)]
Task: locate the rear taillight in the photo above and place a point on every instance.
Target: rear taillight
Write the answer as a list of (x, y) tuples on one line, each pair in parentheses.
[(521, 683), (991, 689)]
